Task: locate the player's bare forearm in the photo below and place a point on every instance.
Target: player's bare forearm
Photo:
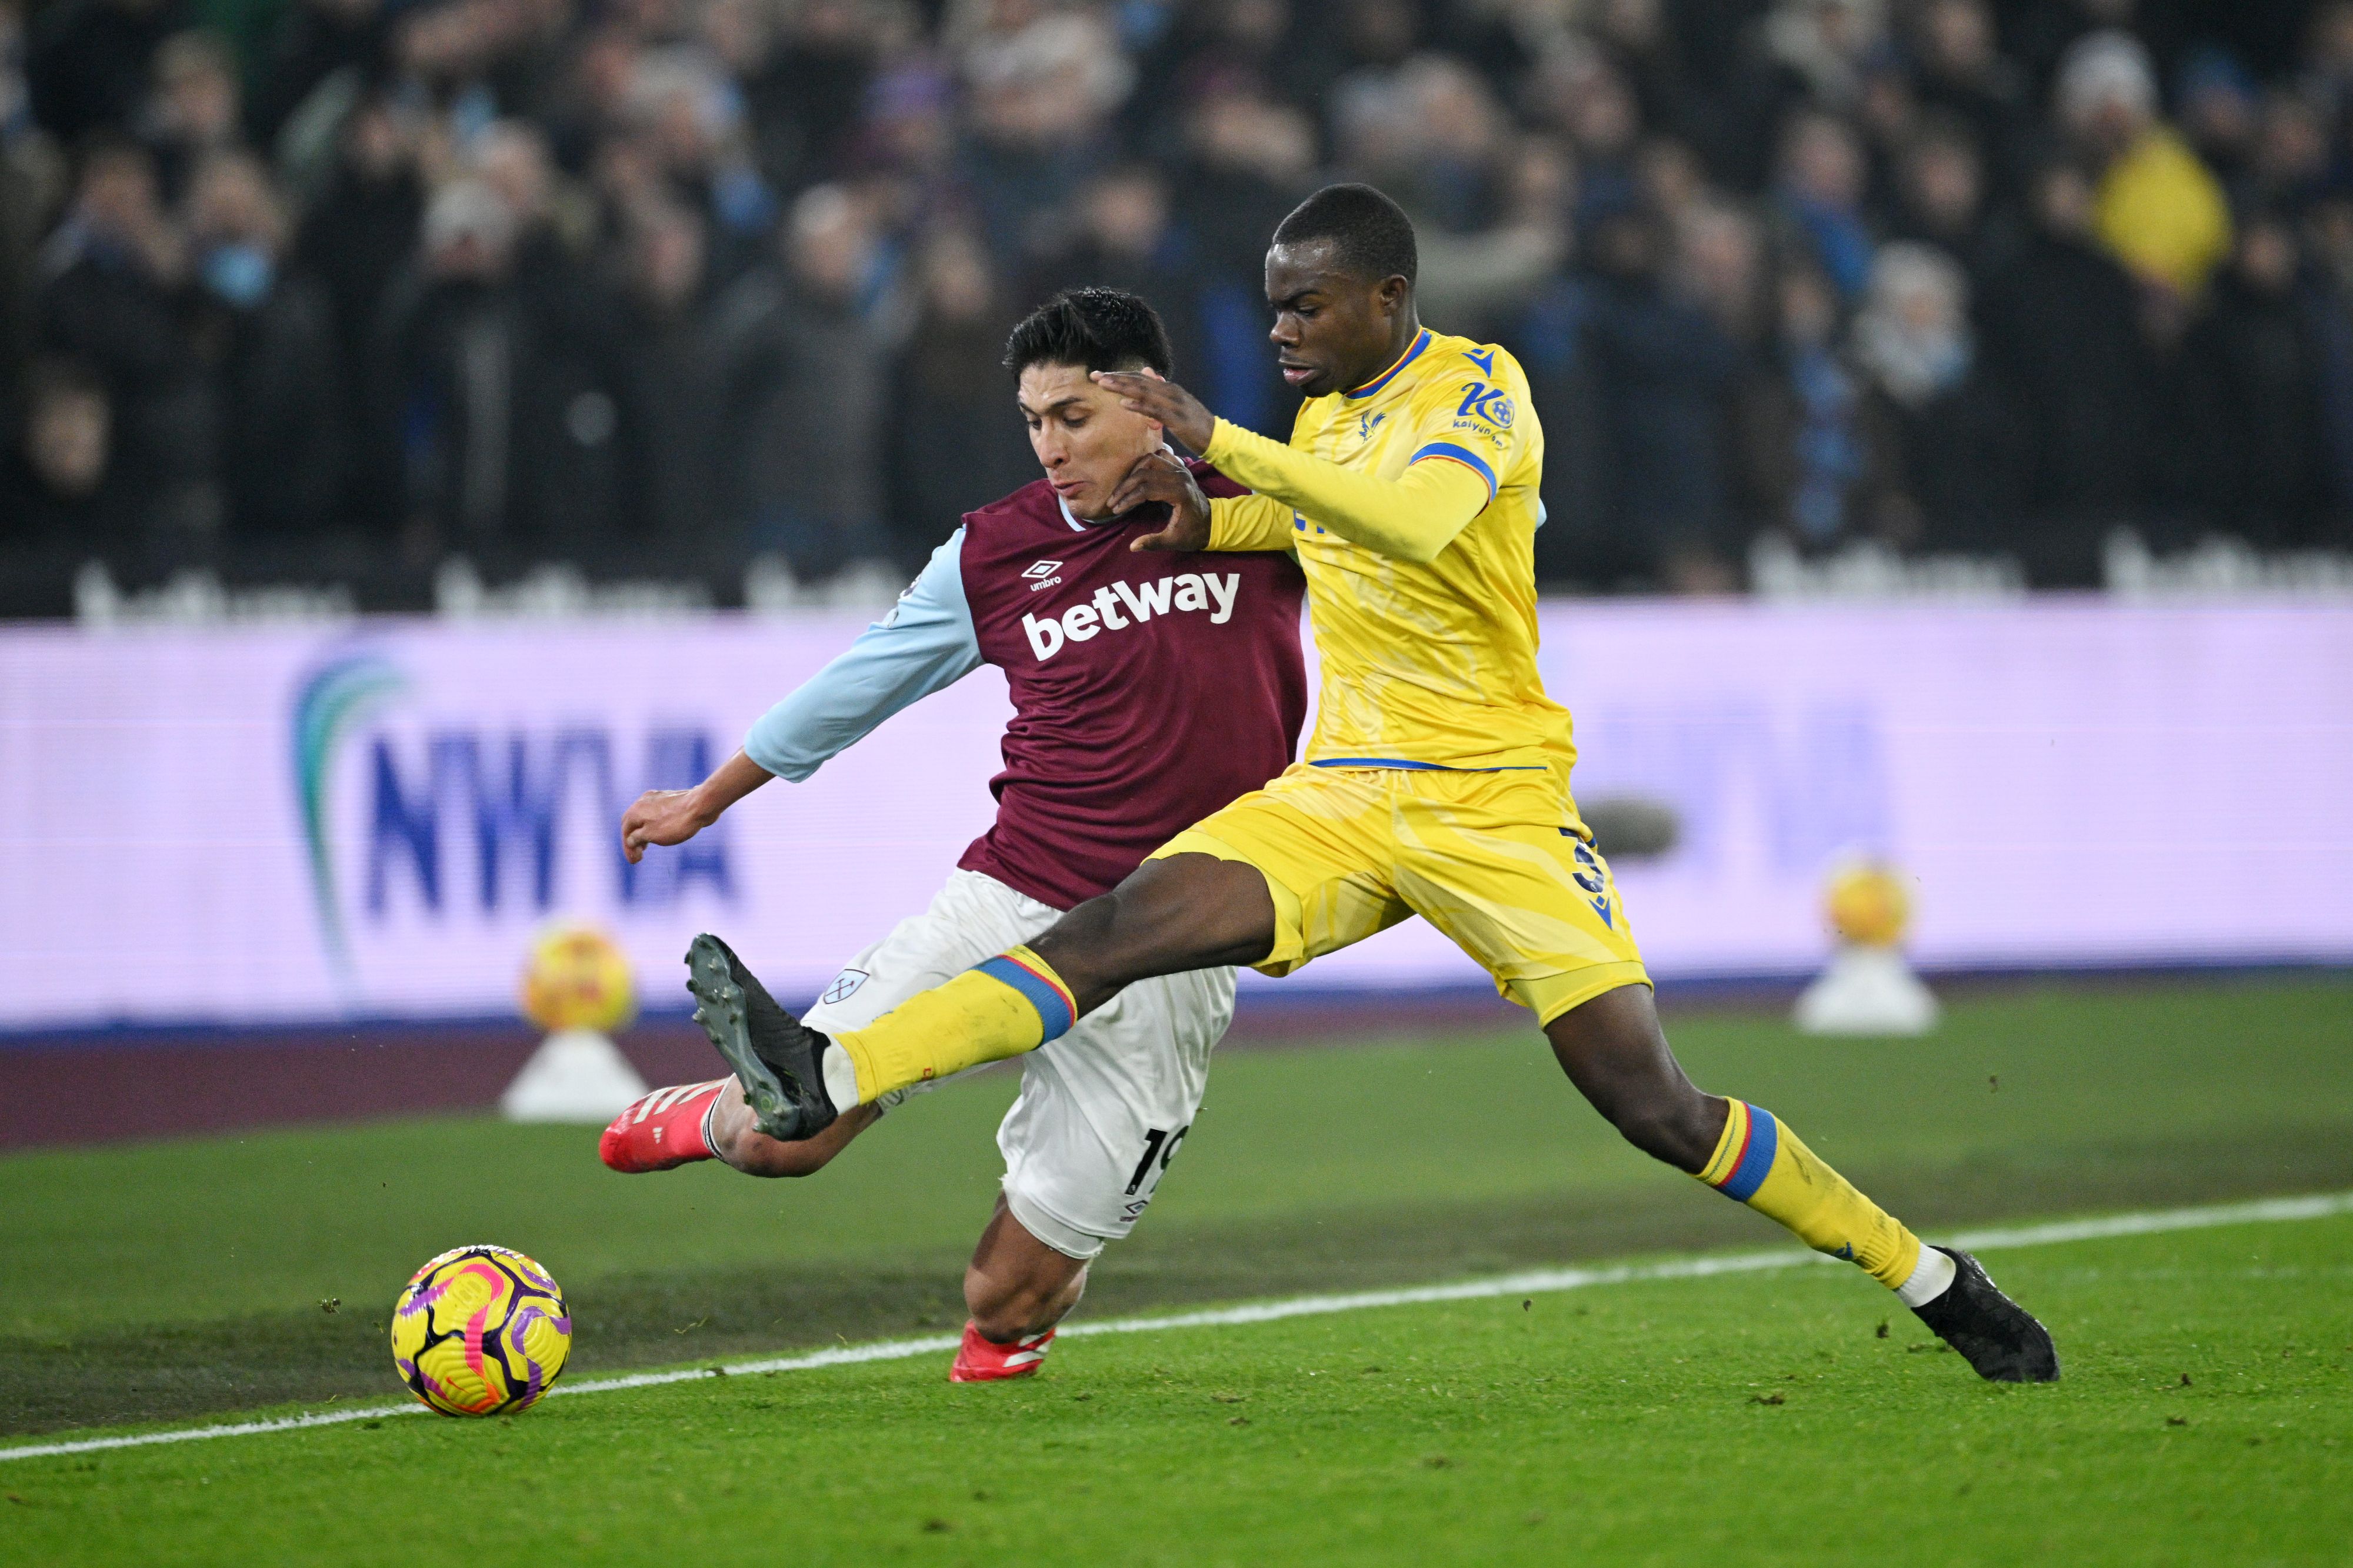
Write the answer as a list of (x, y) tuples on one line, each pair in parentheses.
[(675, 815), (1180, 413)]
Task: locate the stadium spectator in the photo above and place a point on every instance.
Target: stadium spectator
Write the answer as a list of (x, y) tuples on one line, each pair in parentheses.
[(505, 404), (807, 92), (542, 231), (1246, 160), (265, 337), (1661, 368), (2260, 466), (2290, 160), (1043, 85), (1640, 41), (2221, 114), (689, 119), (2039, 34), (2156, 208), (1720, 265), (356, 239), (1587, 99), (197, 110), (1482, 278), (62, 494), (1825, 46), (1123, 234), (2063, 324), (2328, 311), (1963, 75), (115, 298), (675, 415), (955, 437), (808, 338), (1803, 461), (1941, 199), (1821, 185), (448, 361), (2326, 79), (1942, 449)]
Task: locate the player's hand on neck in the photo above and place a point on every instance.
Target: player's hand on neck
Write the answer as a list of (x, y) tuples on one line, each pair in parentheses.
[(1161, 480)]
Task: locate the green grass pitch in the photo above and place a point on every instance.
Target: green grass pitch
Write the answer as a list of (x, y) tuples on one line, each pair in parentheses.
[(1761, 1416)]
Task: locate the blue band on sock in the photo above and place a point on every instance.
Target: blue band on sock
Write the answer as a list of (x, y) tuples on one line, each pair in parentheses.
[(1763, 1139), (1053, 1007)]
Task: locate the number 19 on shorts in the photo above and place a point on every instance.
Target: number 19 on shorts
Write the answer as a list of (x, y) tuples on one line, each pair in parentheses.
[(1159, 1148)]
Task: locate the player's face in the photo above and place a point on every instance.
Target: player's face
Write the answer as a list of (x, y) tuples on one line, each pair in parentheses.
[(1332, 330), (1086, 440)]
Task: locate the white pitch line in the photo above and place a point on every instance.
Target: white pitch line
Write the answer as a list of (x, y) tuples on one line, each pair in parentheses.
[(1536, 1282)]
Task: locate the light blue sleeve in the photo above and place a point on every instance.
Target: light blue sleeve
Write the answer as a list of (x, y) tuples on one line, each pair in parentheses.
[(924, 644)]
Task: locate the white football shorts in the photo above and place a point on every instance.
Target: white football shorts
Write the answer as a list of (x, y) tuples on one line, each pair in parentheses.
[(1103, 1109)]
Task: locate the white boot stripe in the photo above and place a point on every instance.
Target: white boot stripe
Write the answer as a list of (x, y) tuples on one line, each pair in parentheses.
[(673, 1096)]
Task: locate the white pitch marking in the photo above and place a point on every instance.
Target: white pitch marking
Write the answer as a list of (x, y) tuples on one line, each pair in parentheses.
[(1536, 1282)]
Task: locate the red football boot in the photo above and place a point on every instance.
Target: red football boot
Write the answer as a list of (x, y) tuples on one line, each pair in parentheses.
[(983, 1360), (663, 1131)]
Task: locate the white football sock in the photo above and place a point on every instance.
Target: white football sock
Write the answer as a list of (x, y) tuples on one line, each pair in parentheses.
[(840, 1077), (1930, 1275)]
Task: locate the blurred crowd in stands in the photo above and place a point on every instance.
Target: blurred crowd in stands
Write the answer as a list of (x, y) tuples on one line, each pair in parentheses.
[(339, 289)]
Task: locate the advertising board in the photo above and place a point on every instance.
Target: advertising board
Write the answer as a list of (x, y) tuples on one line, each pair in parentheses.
[(256, 826)]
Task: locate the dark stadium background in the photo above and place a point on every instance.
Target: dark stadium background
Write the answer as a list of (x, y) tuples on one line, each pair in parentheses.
[(336, 293), (527, 308)]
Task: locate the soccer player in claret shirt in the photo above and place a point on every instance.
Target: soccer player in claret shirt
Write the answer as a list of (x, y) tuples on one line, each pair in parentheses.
[(1436, 782), (1149, 689)]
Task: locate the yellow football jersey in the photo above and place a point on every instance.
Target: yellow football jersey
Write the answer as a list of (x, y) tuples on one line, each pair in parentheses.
[(1429, 664)]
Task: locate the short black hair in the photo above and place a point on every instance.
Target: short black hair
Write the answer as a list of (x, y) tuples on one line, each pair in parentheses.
[(1371, 234), (1093, 328)]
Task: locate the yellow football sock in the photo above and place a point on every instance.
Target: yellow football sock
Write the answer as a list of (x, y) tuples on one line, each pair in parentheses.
[(1012, 1004), (1765, 1165)]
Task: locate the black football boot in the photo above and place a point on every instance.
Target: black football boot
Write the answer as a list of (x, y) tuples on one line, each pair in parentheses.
[(1994, 1334), (775, 1057)]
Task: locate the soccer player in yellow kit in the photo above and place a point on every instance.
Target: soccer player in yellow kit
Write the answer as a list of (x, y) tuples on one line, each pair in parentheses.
[(1436, 783)]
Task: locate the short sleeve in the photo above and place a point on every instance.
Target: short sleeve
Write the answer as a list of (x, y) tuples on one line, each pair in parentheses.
[(1471, 419), (926, 644)]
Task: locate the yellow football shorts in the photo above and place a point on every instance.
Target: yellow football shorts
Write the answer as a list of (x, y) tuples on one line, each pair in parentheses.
[(1497, 860)]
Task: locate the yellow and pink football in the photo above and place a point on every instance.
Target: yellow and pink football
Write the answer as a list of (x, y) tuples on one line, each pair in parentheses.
[(578, 978), (480, 1331), (1868, 906)]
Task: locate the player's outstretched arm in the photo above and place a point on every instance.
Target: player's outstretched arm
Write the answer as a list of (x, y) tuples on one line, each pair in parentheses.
[(924, 644), (675, 815), (1412, 518)]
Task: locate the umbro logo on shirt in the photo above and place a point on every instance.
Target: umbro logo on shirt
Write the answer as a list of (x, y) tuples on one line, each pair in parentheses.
[(1041, 574)]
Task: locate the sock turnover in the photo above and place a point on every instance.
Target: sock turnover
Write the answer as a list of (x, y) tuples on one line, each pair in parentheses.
[(1760, 1162), (1008, 1005)]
